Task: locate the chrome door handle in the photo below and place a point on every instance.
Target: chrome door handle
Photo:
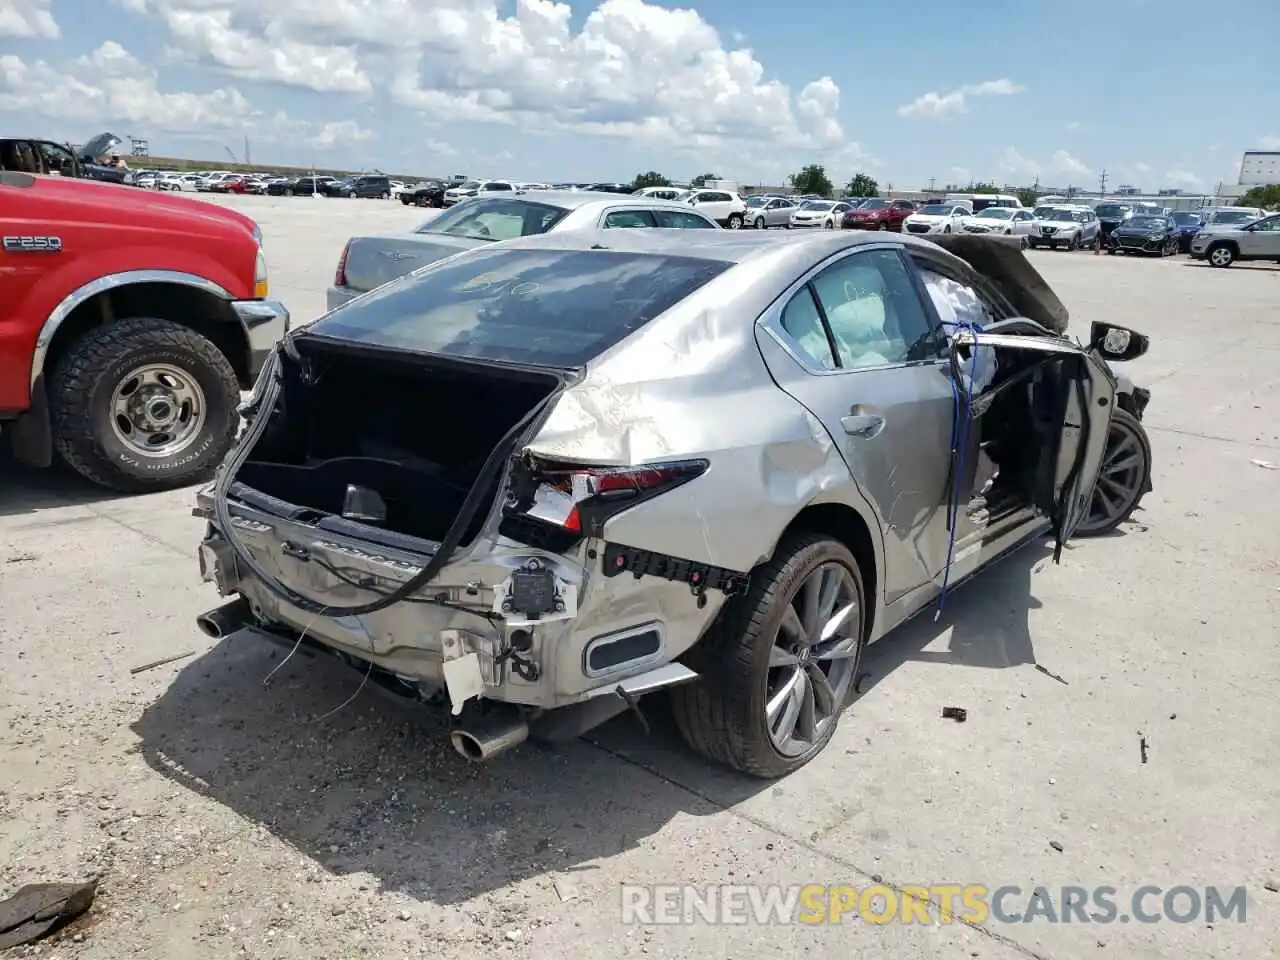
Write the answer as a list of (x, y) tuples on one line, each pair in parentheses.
[(862, 424)]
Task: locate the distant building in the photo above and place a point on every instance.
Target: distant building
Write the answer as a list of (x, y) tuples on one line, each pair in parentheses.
[(1260, 168)]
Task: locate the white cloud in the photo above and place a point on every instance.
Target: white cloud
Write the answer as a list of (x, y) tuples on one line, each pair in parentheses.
[(1013, 166), (634, 70), (28, 19), (339, 133), (110, 86), (1181, 178), (211, 33), (1269, 143), (935, 105), (1072, 126), (1065, 165), (960, 175)]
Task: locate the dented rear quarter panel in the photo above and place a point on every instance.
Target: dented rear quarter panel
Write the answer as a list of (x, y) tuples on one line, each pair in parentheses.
[(693, 384)]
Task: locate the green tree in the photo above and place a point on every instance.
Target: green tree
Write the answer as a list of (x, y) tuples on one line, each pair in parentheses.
[(651, 179), (812, 179), (1027, 197), (862, 185), (1266, 197), (981, 188), (703, 178)]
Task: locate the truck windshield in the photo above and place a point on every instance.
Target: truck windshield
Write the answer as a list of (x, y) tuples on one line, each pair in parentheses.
[(558, 308)]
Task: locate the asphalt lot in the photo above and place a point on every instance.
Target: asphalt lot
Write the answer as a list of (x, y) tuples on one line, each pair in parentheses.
[(228, 820)]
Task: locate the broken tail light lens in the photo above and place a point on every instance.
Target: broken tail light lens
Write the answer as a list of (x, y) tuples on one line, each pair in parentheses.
[(579, 499), (340, 275)]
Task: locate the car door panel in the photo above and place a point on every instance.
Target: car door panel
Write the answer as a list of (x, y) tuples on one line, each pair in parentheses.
[(1065, 491), (890, 421)]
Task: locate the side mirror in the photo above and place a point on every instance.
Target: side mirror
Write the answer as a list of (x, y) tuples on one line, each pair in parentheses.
[(1117, 343)]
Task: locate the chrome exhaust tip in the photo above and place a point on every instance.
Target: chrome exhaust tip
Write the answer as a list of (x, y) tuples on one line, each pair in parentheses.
[(224, 620), (484, 739)]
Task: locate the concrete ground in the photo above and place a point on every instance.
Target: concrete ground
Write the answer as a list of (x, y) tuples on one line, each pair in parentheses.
[(228, 818)]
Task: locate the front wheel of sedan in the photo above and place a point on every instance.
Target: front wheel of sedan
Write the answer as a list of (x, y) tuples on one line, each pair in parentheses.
[(759, 224), (1123, 479), (779, 664)]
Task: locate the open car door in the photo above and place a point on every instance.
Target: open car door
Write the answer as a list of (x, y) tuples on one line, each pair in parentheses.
[(1075, 397)]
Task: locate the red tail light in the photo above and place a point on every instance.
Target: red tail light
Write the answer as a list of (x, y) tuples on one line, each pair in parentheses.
[(340, 275), (579, 499)]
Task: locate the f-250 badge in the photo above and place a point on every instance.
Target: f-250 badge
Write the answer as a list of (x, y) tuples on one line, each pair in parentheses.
[(32, 244)]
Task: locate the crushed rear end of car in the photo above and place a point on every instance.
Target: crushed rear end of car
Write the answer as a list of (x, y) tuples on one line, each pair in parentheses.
[(384, 504)]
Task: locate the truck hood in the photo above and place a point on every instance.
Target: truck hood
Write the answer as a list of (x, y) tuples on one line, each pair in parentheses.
[(115, 203)]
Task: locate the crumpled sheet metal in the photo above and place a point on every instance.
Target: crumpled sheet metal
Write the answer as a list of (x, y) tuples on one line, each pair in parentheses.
[(1003, 263)]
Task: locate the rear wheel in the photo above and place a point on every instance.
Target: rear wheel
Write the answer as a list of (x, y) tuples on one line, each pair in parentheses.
[(735, 221), (384, 196), (144, 404), (289, 192), (779, 665), (1123, 478)]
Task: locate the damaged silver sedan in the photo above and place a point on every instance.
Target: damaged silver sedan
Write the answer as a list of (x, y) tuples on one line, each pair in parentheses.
[(540, 480)]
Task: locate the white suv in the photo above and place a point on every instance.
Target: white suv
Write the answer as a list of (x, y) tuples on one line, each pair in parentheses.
[(726, 208)]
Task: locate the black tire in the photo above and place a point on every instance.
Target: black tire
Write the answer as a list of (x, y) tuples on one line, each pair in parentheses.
[(1220, 255), (406, 199), (289, 192), (735, 221), (1124, 424), (1075, 243), (759, 223), (80, 403), (384, 196), (722, 714)]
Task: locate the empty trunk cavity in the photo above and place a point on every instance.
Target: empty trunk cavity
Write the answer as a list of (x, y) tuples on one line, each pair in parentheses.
[(414, 431)]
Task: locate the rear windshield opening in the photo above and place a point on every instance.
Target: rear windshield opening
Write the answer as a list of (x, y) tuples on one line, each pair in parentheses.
[(558, 308)]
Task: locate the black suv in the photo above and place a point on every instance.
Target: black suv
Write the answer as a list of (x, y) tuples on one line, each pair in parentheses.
[(365, 185), (26, 155), (428, 193)]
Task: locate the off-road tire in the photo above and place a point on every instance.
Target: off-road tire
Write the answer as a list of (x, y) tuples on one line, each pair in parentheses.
[(722, 713), (80, 392)]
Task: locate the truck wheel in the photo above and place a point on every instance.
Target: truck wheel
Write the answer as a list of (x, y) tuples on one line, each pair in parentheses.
[(770, 690), (144, 404)]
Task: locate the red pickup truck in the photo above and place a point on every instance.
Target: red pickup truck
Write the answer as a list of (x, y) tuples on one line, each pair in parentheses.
[(130, 321)]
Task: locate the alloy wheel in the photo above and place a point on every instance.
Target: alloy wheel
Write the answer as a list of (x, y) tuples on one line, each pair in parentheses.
[(1120, 479), (813, 660)]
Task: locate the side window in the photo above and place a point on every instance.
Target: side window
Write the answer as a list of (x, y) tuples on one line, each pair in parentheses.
[(956, 303), (1268, 226), (679, 220), (874, 311), (627, 218), (803, 323), (717, 197)]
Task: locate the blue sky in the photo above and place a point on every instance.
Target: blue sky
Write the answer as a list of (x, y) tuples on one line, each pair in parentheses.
[(913, 91)]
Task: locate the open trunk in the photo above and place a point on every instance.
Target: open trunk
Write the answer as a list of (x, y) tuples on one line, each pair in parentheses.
[(385, 439)]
